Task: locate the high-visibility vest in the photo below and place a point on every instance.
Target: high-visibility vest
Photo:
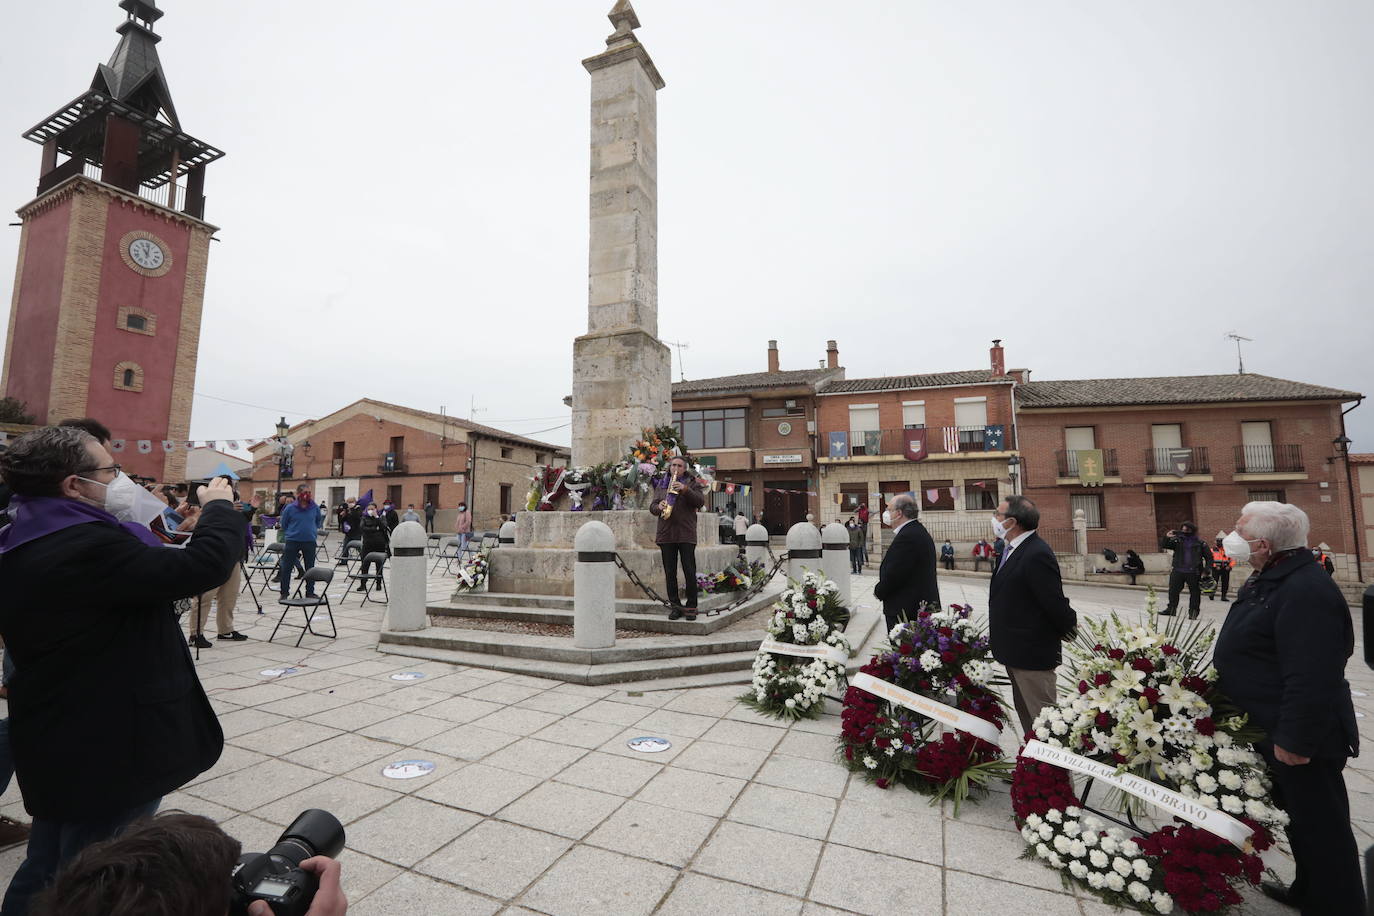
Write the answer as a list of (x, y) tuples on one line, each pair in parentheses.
[(1219, 556)]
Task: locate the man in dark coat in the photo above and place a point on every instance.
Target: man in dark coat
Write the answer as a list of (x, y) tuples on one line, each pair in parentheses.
[(676, 536), (906, 577), (1191, 557), (107, 714), (1028, 615), (1281, 657)]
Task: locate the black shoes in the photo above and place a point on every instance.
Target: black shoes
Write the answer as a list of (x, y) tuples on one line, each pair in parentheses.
[(235, 636), (1275, 891), (691, 614), (12, 832), (1168, 613), (1192, 615), (199, 642), (676, 613)]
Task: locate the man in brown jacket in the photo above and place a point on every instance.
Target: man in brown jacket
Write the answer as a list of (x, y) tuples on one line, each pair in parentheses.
[(677, 534)]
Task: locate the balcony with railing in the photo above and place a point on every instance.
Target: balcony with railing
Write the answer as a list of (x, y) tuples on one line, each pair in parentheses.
[(391, 463), (1178, 462), (168, 195), (1269, 459), (940, 440), (1066, 463)]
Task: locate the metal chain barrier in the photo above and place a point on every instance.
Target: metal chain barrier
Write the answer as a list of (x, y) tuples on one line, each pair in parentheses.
[(748, 595)]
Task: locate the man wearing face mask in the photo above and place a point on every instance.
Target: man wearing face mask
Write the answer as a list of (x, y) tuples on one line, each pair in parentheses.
[(88, 605), (1191, 557), (1281, 656), (1028, 615), (906, 576)]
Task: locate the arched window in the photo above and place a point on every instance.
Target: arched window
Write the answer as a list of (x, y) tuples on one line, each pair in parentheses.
[(128, 376)]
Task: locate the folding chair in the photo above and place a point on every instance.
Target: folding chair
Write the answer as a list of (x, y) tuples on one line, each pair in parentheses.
[(308, 605), (321, 540), (447, 555), (265, 563), (348, 554), (433, 543), (371, 580)]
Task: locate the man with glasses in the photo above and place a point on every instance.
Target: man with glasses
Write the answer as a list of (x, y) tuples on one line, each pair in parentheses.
[(107, 714)]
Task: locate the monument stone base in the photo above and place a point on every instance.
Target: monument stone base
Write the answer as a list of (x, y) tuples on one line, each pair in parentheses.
[(542, 560)]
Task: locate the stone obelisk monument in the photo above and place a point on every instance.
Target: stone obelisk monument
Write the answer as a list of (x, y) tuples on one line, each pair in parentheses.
[(622, 373)]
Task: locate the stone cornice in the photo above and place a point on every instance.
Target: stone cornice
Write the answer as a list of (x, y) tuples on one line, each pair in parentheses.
[(81, 184), (634, 51)]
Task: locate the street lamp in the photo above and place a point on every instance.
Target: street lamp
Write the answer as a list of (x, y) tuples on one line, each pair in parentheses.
[(1342, 444), (1014, 473), (282, 446)]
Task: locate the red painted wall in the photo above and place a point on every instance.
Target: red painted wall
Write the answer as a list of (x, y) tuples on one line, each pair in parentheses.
[(35, 323), (138, 415)]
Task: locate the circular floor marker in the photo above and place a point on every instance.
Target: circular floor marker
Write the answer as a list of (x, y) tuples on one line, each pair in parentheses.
[(277, 672), (407, 769), (408, 676), (649, 745)]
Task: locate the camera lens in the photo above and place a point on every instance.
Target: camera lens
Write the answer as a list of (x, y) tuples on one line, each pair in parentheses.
[(314, 833)]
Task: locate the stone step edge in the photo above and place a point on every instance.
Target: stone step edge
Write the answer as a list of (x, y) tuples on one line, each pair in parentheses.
[(565, 602), (657, 622), (560, 649), (589, 675)]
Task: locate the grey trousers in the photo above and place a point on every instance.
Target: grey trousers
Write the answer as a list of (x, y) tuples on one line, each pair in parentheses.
[(1031, 691)]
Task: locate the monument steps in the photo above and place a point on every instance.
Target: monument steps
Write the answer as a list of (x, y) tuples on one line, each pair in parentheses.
[(561, 648), (630, 614)]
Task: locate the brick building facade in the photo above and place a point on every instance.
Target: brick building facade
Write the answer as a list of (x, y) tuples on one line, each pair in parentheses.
[(758, 430), (1236, 438), (409, 456)]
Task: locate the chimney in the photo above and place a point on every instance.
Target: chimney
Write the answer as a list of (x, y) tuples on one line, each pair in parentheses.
[(773, 356), (999, 360), (832, 355)]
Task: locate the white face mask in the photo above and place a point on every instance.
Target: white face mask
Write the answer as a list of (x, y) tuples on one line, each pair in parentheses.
[(999, 527), (128, 502), (887, 517), (1236, 547)]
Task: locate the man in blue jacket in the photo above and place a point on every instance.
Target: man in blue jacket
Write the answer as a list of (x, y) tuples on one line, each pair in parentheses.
[(301, 521), (107, 714), (1281, 656)]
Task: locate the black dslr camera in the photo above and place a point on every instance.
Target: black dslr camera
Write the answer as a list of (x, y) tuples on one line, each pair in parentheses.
[(276, 875)]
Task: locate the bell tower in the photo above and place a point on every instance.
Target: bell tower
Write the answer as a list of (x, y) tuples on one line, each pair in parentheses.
[(105, 319)]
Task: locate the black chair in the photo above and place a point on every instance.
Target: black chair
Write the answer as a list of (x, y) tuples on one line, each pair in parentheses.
[(370, 580), (321, 538), (309, 605), (433, 542), (266, 563), (447, 555)]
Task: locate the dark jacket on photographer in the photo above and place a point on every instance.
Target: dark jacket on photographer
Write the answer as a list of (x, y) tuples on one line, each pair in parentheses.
[(374, 533), (680, 527), (106, 709)]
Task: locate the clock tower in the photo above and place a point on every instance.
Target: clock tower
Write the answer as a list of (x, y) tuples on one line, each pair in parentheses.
[(105, 320)]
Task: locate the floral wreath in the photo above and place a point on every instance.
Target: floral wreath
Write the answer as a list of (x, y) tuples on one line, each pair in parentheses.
[(792, 683), (472, 575), (734, 578), (1145, 706), (942, 656)]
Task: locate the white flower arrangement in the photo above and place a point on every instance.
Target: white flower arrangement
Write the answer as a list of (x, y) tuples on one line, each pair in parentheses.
[(807, 613)]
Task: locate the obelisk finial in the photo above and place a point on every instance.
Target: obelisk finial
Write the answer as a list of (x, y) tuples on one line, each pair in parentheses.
[(623, 17)]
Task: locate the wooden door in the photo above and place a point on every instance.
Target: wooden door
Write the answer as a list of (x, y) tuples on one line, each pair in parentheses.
[(1171, 510)]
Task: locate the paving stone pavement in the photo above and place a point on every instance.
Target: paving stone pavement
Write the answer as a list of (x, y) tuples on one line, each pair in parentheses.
[(537, 806)]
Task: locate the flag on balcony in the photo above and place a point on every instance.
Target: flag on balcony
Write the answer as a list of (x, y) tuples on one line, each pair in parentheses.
[(873, 442), (839, 445), (994, 437), (952, 439), (1090, 473), (1180, 461), (914, 446)]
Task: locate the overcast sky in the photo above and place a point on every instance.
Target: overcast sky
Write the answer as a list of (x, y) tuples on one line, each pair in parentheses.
[(1111, 187)]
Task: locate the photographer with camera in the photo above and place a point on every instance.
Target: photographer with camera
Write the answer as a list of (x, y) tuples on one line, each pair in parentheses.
[(107, 714), (179, 864)]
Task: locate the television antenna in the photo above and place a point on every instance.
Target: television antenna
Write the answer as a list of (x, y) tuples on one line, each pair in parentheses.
[(681, 370), (1239, 358)]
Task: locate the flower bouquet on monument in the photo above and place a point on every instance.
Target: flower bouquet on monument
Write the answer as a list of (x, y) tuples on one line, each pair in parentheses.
[(472, 576), (805, 652), (734, 578), (1144, 727), (922, 713)]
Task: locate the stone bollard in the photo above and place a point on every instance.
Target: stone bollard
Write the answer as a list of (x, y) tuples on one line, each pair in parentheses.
[(507, 534), (594, 587), (406, 609), (1080, 538), (835, 558), (803, 550), (756, 545)]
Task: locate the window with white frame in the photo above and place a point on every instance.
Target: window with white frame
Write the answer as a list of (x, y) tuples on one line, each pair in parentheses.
[(913, 414), (1091, 504)]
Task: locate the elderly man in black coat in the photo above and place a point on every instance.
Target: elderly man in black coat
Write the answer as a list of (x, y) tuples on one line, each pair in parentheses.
[(906, 578), (1281, 656), (107, 714), (1028, 615)]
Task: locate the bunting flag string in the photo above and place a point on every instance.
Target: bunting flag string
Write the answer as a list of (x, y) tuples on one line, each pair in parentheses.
[(146, 446)]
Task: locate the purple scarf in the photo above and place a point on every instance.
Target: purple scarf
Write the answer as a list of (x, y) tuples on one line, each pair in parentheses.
[(34, 517)]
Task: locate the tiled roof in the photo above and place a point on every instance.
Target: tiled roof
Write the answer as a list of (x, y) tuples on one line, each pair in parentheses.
[(1179, 389), (904, 382), (489, 431), (754, 380)]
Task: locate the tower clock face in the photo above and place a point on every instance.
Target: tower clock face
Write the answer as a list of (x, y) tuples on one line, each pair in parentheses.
[(147, 254)]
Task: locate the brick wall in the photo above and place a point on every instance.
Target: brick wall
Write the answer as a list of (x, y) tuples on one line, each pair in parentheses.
[(833, 415)]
